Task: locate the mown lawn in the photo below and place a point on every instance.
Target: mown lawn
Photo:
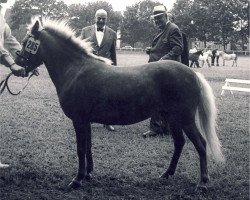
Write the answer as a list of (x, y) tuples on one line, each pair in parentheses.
[(39, 143)]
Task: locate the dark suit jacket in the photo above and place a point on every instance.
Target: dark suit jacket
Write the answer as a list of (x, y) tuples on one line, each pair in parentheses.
[(167, 45), (107, 48), (185, 52)]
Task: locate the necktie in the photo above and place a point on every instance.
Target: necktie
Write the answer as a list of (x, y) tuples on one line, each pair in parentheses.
[(100, 29)]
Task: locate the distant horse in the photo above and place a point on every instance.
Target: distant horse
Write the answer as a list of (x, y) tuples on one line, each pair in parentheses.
[(228, 57), (90, 90), (194, 57), (204, 58)]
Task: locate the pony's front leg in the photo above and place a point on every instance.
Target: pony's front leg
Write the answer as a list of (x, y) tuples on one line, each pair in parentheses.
[(208, 63), (89, 158), (202, 63), (83, 139), (233, 63)]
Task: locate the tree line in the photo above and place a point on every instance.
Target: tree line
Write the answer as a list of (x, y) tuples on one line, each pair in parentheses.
[(220, 21)]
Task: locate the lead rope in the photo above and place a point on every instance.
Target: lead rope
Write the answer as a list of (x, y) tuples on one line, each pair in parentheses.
[(4, 84)]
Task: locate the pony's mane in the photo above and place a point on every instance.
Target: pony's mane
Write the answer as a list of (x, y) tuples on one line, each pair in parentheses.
[(62, 29)]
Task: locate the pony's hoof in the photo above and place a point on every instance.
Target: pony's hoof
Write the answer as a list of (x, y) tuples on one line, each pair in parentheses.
[(74, 185), (88, 177), (201, 187), (165, 175)]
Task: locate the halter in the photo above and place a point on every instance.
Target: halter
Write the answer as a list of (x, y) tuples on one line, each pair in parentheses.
[(31, 48)]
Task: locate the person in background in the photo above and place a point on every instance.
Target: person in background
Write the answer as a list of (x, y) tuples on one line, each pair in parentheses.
[(8, 47), (214, 55), (103, 39), (193, 50), (167, 45), (185, 52)]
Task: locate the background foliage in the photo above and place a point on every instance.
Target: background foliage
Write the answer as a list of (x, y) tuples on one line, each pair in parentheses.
[(221, 21)]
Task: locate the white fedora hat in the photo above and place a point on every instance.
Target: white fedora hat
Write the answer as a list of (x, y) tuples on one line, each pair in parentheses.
[(159, 10)]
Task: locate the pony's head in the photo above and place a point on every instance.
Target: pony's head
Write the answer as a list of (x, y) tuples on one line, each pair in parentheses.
[(29, 56), (48, 37)]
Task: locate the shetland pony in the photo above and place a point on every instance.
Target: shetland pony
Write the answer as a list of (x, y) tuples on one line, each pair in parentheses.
[(204, 58), (91, 90), (194, 58), (228, 57)]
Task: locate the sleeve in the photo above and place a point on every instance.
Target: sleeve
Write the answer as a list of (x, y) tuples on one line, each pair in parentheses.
[(113, 50), (3, 51), (176, 45), (10, 42)]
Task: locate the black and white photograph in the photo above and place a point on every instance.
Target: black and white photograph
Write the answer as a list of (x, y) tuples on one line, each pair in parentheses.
[(124, 100)]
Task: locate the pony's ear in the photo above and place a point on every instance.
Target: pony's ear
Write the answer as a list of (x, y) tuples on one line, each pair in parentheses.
[(35, 29)]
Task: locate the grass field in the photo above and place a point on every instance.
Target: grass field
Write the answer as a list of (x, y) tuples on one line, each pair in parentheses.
[(38, 141)]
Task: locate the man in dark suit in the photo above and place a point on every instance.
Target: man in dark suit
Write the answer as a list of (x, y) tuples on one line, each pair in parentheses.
[(167, 45), (102, 37), (103, 40), (185, 52), (215, 56)]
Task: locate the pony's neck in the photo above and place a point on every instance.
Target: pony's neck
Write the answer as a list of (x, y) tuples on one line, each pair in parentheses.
[(59, 57)]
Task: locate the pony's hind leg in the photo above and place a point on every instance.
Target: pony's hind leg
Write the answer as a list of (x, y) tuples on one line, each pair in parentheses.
[(179, 142), (199, 142)]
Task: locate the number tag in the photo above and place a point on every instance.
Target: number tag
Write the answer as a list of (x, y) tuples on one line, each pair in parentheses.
[(32, 45)]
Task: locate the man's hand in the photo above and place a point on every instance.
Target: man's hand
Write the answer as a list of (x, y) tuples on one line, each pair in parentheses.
[(18, 70), (35, 72), (148, 50)]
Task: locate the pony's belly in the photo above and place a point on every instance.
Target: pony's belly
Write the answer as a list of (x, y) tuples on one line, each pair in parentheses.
[(118, 117)]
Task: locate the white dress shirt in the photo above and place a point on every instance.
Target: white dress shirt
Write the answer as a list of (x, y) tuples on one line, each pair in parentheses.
[(99, 35)]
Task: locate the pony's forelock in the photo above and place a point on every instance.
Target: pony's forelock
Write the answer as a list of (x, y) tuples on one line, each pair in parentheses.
[(62, 28)]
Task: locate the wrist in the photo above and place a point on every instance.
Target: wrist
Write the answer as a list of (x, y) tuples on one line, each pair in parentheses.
[(7, 60), (12, 65)]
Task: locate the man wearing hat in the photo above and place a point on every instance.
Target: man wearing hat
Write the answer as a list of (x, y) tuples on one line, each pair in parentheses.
[(103, 40), (167, 45)]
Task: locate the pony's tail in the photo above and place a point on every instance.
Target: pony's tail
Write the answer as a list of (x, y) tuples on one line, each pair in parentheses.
[(206, 118)]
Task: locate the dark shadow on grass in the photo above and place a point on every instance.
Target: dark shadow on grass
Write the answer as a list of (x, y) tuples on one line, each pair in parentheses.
[(103, 187)]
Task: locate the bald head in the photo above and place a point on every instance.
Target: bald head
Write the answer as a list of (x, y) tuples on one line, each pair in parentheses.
[(100, 18), (101, 13)]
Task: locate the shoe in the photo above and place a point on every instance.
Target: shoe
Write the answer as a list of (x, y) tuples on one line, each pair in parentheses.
[(149, 134), (109, 127), (3, 166)]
